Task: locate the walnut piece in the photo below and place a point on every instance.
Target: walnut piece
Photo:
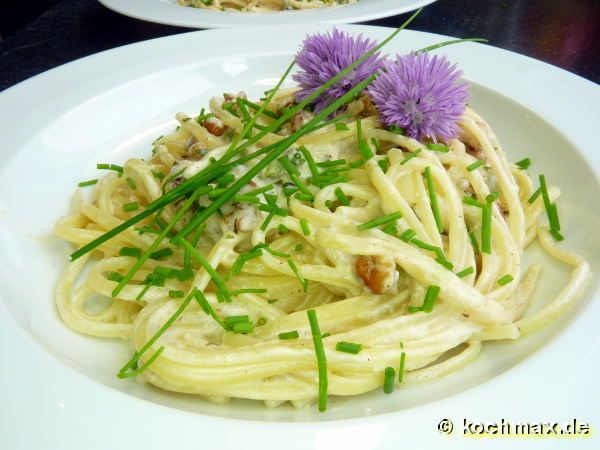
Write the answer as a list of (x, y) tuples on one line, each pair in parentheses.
[(377, 272)]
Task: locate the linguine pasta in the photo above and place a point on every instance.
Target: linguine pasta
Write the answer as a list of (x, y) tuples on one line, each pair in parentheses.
[(362, 251)]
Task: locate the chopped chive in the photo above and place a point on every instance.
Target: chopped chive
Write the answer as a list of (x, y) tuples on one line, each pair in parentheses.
[(438, 148), (289, 335), (486, 229), (232, 320), (242, 328), (133, 361), (216, 193), (435, 209), (136, 372), (130, 251), (271, 250), (430, 296), (356, 164), (321, 358), (208, 309), (398, 130), (407, 235), (300, 185), (133, 206), (270, 302), (379, 221), (256, 107), (114, 276), (491, 198), (465, 272), (305, 227), (523, 164), (348, 347), (467, 200), (410, 156), (282, 228), (363, 146), (248, 291), (187, 257), (113, 167), (535, 195), (298, 248), (389, 377), (222, 293), (341, 127), (131, 183), (87, 183), (246, 199), (304, 197), (325, 335), (384, 164), (551, 210), (335, 170), (142, 230), (428, 301), (288, 166), (444, 262), (333, 163), (402, 363), (166, 272), (162, 253), (302, 280), (376, 144), (176, 294), (237, 266), (158, 174), (225, 179), (261, 190), (339, 179), (261, 321), (505, 280), (475, 165), (267, 221), (271, 199), (184, 274), (553, 215), (312, 166), (474, 242), (390, 229)]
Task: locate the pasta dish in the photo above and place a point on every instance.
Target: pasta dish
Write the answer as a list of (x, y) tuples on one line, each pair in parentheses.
[(362, 230), (262, 5)]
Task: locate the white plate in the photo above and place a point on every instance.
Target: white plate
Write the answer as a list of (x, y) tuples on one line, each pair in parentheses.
[(58, 388), (170, 13)]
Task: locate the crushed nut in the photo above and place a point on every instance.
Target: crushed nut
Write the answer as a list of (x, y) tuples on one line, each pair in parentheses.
[(377, 272), (215, 126)]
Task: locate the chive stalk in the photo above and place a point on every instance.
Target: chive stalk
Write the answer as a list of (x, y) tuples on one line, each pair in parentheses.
[(321, 359)]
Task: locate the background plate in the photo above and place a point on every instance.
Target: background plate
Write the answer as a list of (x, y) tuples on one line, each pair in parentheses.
[(170, 13)]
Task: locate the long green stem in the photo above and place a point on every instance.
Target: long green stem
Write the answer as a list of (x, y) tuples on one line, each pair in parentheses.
[(218, 168)]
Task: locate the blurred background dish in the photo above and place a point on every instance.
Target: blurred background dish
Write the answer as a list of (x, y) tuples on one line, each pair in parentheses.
[(172, 13)]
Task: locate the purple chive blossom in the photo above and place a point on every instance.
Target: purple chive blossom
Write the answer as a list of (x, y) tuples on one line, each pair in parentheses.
[(422, 94), (324, 55)]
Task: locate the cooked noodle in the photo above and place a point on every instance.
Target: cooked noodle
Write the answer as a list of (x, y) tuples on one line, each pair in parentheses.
[(370, 309)]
